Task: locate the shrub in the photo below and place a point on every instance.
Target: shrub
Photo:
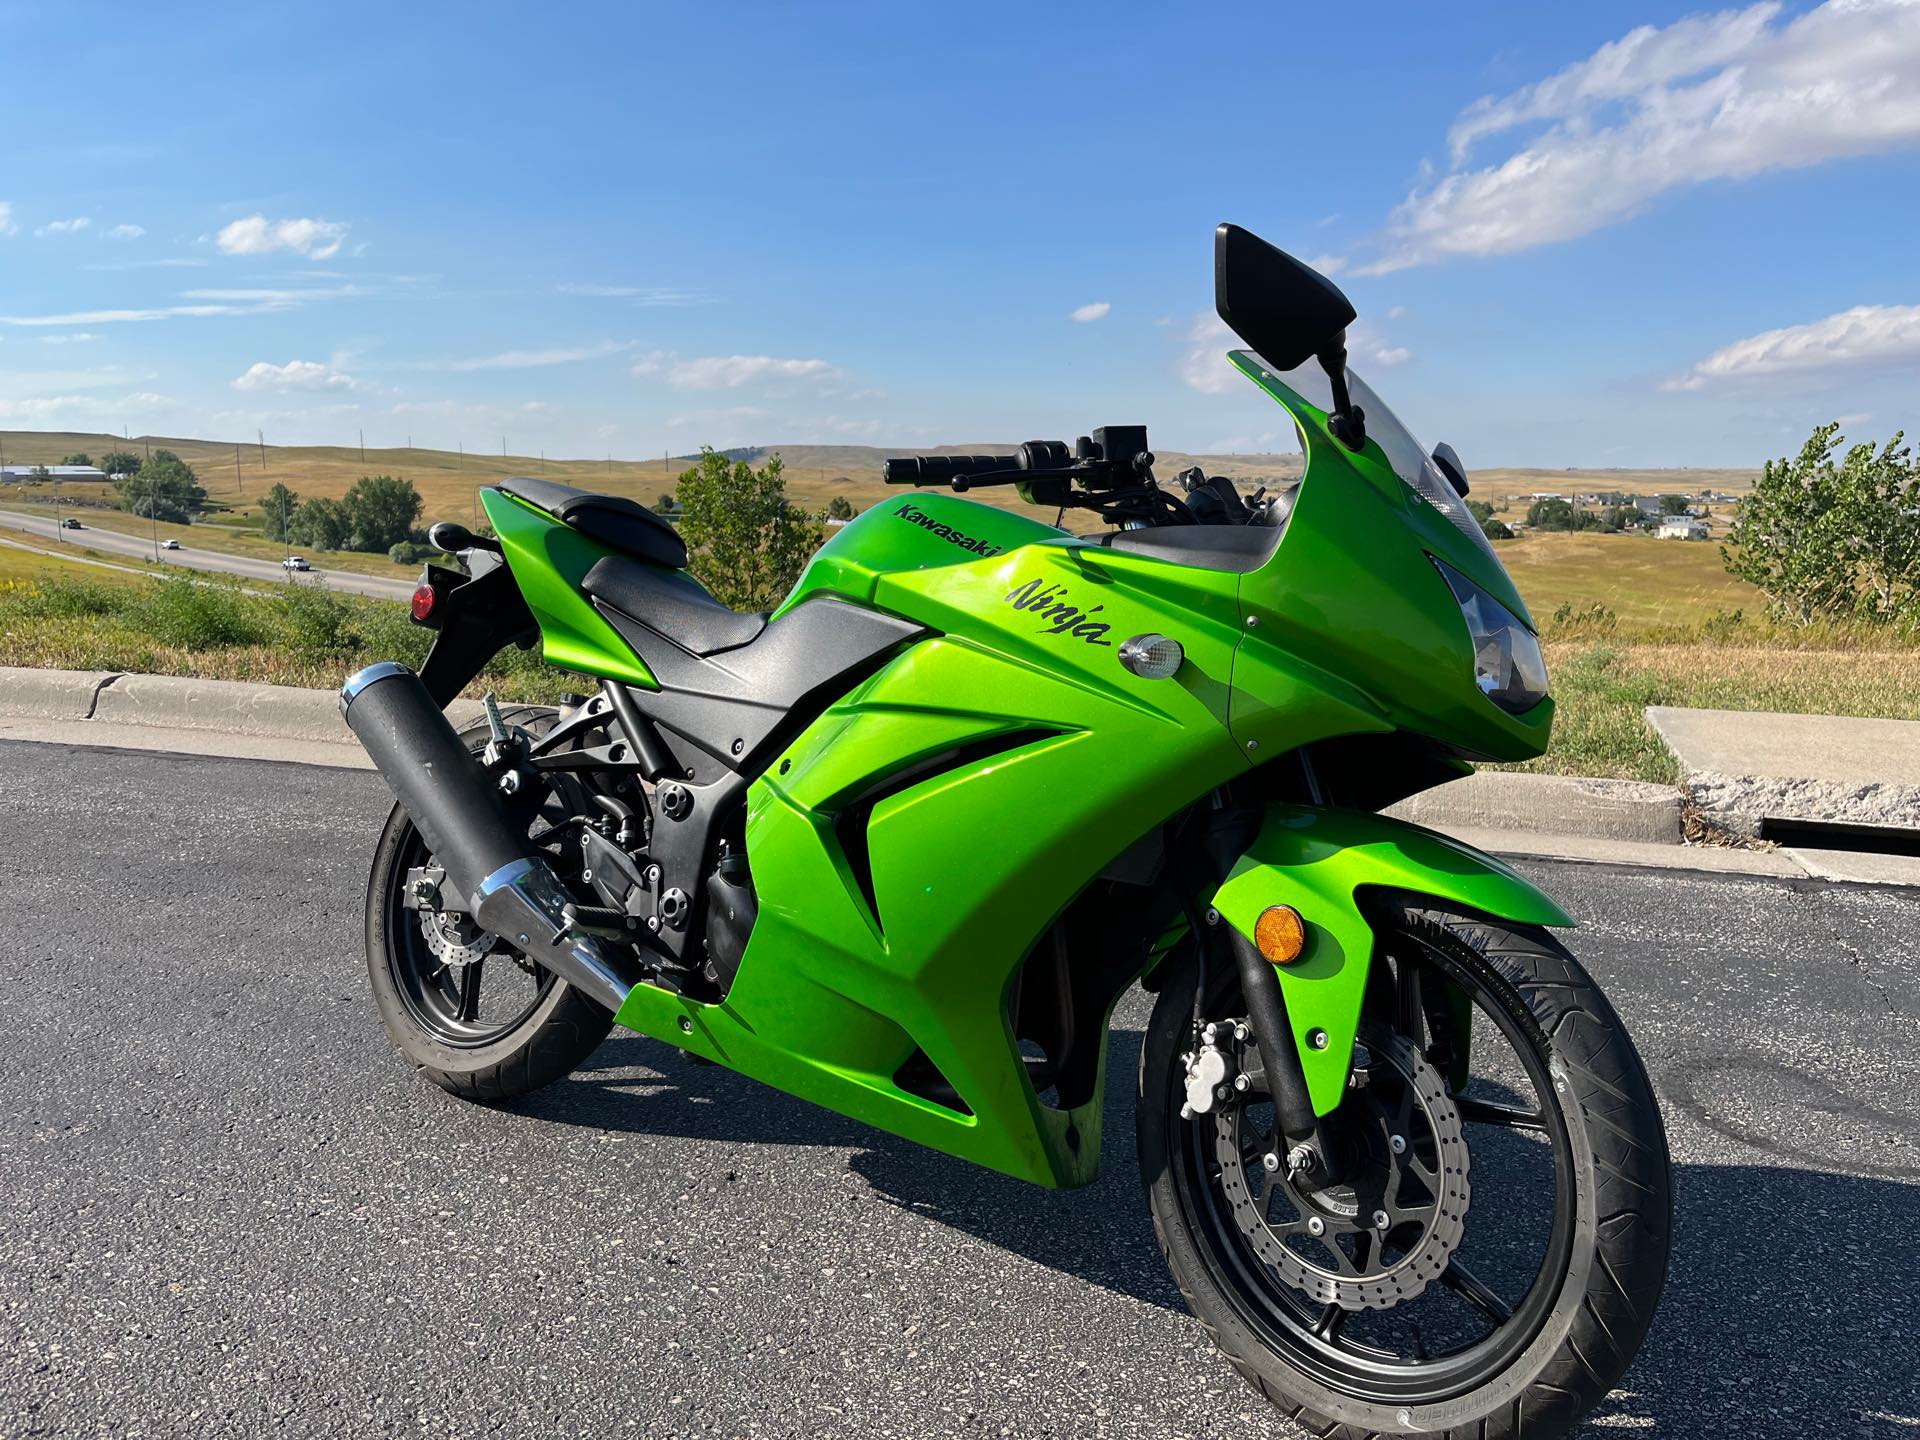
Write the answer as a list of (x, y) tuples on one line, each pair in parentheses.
[(200, 616), (64, 598), (411, 552)]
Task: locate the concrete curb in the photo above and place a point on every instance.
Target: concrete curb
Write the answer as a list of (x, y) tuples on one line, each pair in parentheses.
[(1506, 800), (180, 703), (50, 694)]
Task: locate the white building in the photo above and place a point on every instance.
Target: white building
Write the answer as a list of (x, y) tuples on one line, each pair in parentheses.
[(12, 474), (1681, 527)]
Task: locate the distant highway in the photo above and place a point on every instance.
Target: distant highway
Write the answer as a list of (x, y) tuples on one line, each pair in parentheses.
[(116, 543)]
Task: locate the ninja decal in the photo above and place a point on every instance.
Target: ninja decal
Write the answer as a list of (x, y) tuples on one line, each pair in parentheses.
[(1057, 614)]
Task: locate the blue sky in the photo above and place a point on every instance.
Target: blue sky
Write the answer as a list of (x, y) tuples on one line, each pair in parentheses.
[(1576, 235)]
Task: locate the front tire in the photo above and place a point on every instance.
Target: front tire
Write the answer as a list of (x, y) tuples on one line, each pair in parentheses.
[(537, 1029), (1567, 1121)]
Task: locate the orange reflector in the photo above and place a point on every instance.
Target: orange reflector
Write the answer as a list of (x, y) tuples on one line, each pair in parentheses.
[(1280, 934)]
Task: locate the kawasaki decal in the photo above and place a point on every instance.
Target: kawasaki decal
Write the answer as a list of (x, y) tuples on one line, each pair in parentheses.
[(914, 515), (1058, 615)]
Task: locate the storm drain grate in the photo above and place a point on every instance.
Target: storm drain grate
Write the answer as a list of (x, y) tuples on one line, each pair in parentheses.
[(1840, 835)]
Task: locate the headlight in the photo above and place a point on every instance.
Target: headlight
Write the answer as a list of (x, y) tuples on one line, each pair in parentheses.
[(1507, 664)]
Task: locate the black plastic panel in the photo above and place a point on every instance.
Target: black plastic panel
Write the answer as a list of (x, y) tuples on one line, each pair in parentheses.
[(740, 704)]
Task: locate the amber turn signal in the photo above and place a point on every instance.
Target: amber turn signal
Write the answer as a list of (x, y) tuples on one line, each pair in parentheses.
[(1280, 934)]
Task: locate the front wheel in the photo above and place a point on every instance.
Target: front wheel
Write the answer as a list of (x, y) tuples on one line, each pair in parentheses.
[(1489, 1253)]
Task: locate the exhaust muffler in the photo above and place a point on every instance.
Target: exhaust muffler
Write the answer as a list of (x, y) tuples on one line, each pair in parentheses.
[(511, 888)]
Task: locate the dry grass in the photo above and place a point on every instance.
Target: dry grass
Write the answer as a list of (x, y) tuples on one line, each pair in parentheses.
[(1602, 691), (1646, 583)]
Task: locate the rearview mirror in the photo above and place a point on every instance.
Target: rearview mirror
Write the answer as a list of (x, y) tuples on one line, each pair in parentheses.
[(1287, 312), (1448, 464)]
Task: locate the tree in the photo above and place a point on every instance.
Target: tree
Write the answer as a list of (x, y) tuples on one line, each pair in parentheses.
[(79, 457), (321, 525), (1493, 529), (1621, 517), (120, 462), (165, 486), (1790, 535), (1673, 504), (840, 508), (666, 504), (277, 508), (381, 512), (747, 543), (1879, 511)]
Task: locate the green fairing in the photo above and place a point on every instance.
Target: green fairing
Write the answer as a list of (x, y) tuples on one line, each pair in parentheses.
[(548, 560), (1346, 630), (1319, 862)]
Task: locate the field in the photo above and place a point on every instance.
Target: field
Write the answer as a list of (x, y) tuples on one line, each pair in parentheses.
[(236, 475)]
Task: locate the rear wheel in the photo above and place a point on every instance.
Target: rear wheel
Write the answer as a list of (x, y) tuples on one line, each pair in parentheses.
[(1490, 1259), (473, 1015)]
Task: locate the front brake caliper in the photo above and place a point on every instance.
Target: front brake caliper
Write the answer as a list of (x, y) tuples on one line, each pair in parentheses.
[(1213, 1073)]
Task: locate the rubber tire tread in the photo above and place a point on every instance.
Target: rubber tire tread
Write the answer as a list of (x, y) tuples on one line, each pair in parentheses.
[(1627, 1157), (552, 1042)]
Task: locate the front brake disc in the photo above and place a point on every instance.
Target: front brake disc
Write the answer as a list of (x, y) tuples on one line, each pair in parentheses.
[(1333, 1245)]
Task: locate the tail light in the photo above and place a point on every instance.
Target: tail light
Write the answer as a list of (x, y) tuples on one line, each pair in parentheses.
[(425, 602)]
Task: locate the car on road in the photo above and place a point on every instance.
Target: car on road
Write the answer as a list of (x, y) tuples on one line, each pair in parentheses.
[(169, 544), (294, 562), (71, 524)]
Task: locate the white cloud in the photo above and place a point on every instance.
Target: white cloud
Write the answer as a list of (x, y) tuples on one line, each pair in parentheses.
[(727, 415), (294, 375), (1086, 314), (276, 299), (728, 372), (1328, 264), (118, 317), (1205, 366), (643, 294), (1712, 97), (166, 264), (80, 337), (64, 227), (534, 359), (126, 232), (7, 227), (1866, 334), (257, 235)]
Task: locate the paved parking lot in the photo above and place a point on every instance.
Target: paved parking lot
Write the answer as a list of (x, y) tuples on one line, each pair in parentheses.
[(227, 1208)]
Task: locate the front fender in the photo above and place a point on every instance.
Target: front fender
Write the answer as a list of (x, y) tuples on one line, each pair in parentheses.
[(1320, 861)]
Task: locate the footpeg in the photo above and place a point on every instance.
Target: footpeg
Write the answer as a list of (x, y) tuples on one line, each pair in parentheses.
[(601, 920)]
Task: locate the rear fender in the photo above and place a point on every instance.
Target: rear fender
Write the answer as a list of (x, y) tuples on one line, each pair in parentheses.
[(474, 620), (1323, 862)]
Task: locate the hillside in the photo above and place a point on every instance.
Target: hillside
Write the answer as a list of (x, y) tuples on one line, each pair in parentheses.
[(237, 475)]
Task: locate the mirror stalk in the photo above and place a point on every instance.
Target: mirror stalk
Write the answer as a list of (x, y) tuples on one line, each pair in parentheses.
[(1347, 421)]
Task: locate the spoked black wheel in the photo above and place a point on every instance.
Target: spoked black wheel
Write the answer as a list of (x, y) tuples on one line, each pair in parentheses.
[(474, 1015), (1495, 1239)]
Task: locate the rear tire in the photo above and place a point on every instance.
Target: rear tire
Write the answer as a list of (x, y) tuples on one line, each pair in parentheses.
[(546, 1043), (1601, 1285)]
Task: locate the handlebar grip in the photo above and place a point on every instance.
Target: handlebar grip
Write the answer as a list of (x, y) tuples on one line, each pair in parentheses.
[(943, 469)]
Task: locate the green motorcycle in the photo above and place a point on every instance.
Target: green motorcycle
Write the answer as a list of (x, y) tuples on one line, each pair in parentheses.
[(899, 847)]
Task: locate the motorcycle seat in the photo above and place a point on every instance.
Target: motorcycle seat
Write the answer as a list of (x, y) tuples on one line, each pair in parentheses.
[(610, 520), (671, 603)]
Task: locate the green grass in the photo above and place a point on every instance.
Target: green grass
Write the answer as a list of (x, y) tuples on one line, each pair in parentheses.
[(1602, 689), (20, 566), (302, 635)]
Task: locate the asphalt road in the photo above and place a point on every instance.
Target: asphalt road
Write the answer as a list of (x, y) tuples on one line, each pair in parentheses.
[(117, 543), (226, 1208)]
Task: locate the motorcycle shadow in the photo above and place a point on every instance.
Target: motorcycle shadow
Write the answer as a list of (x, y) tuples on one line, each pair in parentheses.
[(1793, 1292)]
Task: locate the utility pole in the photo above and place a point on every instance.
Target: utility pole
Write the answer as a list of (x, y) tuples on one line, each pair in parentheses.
[(238, 482), (363, 447), (153, 513), (263, 447)]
